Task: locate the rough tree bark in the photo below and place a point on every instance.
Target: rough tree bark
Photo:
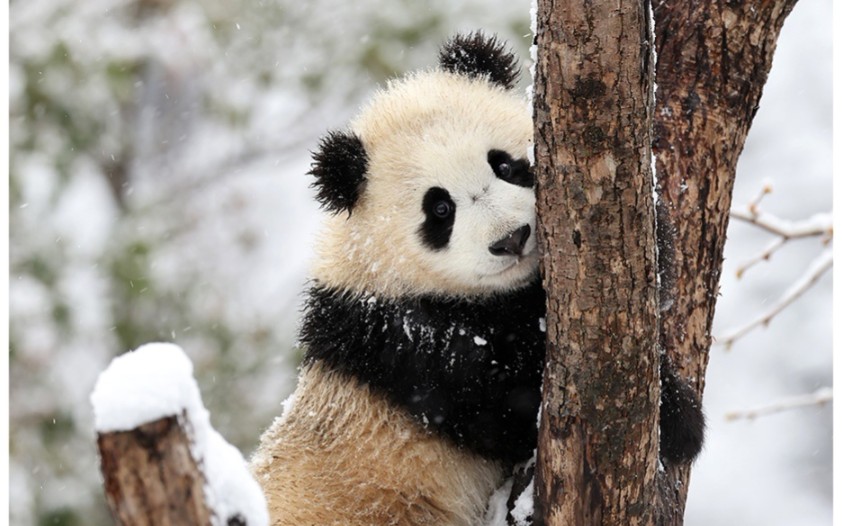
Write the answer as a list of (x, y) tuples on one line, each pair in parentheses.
[(713, 60), (151, 478), (595, 455), (598, 441)]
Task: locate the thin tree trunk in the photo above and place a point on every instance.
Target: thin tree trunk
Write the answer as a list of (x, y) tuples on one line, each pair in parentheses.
[(713, 60), (151, 478), (598, 441)]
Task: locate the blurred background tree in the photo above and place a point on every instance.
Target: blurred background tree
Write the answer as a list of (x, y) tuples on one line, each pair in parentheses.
[(158, 192), (158, 154)]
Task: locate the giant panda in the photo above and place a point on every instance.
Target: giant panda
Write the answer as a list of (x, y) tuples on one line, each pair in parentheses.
[(423, 324)]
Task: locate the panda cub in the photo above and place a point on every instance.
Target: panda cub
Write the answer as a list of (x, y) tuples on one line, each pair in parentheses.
[(422, 327)]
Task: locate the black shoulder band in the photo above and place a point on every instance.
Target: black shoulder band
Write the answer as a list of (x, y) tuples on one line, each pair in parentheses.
[(470, 370)]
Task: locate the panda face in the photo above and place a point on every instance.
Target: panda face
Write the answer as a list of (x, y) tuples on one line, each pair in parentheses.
[(447, 206), (478, 226)]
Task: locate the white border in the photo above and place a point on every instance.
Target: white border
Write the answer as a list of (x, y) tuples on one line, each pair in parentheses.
[(837, 225)]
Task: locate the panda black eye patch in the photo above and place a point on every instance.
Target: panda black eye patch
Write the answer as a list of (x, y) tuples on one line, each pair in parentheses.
[(515, 171), (439, 216)]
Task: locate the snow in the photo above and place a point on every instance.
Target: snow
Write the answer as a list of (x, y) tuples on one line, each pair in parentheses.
[(533, 58), (143, 386), (524, 505), (497, 505), (231, 489), (818, 222), (288, 404), (523, 508), (407, 329), (156, 381)]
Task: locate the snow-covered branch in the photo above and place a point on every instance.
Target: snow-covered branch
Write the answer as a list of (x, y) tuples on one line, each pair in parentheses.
[(816, 269), (818, 225), (162, 461), (820, 397)]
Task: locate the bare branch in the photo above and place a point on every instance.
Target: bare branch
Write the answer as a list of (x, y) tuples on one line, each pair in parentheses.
[(808, 279), (765, 255), (755, 203), (818, 225), (820, 397)]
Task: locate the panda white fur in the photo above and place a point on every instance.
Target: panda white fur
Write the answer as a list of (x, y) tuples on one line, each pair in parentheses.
[(422, 328)]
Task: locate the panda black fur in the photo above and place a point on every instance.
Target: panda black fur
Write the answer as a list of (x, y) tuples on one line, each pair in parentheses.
[(424, 347)]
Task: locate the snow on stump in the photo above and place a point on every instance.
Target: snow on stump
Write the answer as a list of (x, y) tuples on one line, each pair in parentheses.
[(162, 462)]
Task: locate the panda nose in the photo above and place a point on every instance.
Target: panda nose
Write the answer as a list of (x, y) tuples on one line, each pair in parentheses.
[(512, 244)]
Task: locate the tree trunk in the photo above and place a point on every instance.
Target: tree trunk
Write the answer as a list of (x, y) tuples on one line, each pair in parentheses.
[(713, 60), (151, 478), (598, 441)]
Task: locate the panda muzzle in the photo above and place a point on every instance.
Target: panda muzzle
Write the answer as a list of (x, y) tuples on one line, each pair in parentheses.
[(512, 244)]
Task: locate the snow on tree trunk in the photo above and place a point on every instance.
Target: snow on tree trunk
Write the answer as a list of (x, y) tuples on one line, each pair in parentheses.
[(162, 461), (598, 438)]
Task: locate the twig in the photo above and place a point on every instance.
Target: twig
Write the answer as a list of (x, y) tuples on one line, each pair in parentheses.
[(817, 225), (755, 203), (819, 398), (765, 255), (816, 269)]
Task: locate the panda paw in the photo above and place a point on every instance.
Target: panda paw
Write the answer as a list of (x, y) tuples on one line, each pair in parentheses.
[(682, 420)]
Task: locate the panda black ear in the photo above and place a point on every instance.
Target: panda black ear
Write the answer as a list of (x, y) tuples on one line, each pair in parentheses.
[(339, 167), (478, 55)]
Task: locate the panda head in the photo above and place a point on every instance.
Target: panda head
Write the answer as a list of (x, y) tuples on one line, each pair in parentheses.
[(430, 189)]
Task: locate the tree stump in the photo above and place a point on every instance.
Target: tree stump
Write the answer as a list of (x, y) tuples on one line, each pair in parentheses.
[(151, 478)]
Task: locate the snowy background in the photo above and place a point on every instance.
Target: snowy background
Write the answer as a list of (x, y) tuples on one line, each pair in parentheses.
[(157, 185)]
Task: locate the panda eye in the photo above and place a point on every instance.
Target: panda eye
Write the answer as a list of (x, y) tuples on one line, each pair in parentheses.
[(442, 209), (439, 216), (514, 171)]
